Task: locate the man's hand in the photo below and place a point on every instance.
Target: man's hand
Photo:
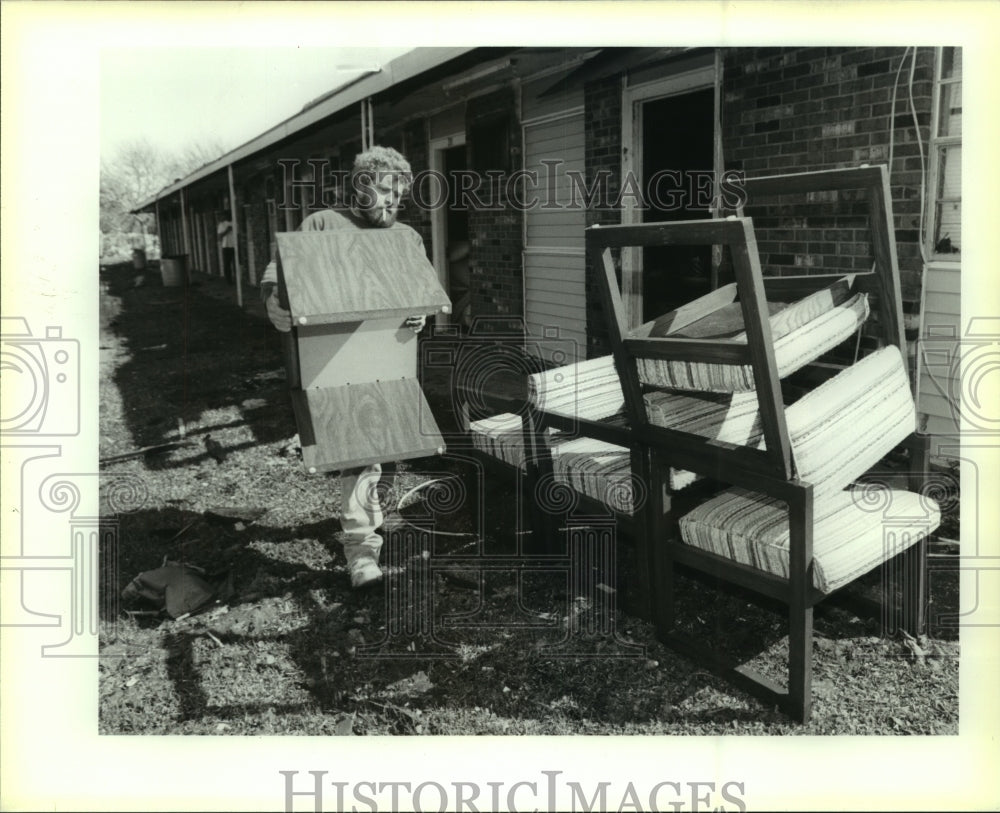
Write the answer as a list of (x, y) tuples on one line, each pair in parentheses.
[(416, 323), (279, 317)]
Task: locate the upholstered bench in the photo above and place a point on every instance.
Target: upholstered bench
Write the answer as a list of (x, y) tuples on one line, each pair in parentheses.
[(838, 432)]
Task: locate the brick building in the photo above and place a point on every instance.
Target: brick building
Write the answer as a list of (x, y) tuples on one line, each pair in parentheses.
[(536, 144)]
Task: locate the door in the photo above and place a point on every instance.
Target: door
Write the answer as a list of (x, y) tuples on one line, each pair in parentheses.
[(677, 154), (670, 131), (450, 244)]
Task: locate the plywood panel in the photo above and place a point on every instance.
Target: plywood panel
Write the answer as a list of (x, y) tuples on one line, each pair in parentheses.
[(356, 353), (357, 425), (352, 275)]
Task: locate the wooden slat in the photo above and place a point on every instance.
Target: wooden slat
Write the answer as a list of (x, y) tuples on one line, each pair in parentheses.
[(681, 232), (352, 275), (686, 314), (884, 245), (727, 462), (822, 180), (617, 324), (612, 431), (357, 425), (761, 345), (744, 678), (787, 289)]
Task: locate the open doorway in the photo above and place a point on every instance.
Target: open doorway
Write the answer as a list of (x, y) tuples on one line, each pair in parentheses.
[(450, 234), (677, 155), (456, 244)]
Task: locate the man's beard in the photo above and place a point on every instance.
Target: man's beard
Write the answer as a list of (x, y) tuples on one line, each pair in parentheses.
[(380, 218)]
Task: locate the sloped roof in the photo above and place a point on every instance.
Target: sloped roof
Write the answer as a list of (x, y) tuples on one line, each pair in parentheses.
[(407, 66)]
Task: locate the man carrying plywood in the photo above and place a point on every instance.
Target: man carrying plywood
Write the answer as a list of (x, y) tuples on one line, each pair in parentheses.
[(380, 179)]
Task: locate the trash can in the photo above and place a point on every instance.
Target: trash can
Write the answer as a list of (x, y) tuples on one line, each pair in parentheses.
[(173, 269), (139, 259)]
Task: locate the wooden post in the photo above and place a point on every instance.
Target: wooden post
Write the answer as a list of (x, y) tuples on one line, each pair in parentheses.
[(236, 238), (159, 227), (185, 232), (718, 166), (800, 614)]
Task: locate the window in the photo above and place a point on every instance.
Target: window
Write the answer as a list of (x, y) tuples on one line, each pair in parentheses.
[(946, 157)]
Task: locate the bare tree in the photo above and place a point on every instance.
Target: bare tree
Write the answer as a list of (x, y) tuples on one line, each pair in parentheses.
[(136, 172)]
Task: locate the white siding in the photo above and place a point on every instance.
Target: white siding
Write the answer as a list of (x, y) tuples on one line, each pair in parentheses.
[(937, 358), (554, 261)]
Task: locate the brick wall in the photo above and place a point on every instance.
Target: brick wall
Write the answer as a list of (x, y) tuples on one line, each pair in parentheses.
[(602, 154), (798, 109), (793, 110), (413, 144), (496, 269)]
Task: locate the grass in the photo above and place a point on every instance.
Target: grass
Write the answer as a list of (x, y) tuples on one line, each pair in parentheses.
[(293, 650)]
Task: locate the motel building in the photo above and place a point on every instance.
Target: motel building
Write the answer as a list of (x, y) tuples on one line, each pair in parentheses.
[(516, 151)]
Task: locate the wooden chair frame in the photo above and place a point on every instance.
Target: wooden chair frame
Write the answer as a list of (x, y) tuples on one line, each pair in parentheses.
[(655, 449)]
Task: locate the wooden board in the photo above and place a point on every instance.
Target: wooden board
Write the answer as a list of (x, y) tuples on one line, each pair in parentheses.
[(361, 424), (355, 274), (355, 353)]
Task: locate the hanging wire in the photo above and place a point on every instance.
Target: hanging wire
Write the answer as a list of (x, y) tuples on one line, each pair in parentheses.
[(920, 146)]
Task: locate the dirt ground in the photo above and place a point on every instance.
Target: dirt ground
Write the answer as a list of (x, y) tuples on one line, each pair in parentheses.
[(290, 649)]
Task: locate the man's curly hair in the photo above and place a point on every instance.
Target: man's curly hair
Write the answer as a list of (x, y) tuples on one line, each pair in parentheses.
[(373, 162)]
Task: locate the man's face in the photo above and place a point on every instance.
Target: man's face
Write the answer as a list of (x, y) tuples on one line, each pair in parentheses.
[(379, 196)]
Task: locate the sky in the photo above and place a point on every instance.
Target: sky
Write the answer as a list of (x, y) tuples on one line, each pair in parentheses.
[(176, 96)]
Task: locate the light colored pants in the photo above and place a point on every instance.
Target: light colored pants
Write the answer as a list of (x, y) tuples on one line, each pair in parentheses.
[(360, 513)]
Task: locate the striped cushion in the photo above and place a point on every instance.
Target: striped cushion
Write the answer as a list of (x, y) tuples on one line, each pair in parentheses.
[(852, 532), (841, 429), (500, 436), (600, 470), (732, 418), (588, 389), (813, 328)]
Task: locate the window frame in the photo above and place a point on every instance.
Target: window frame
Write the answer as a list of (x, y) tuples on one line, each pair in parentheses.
[(938, 145)]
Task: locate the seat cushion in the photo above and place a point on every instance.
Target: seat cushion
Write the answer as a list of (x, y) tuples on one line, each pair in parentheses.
[(854, 531), (837, 432), (841, 429), (729, 417), (801, 333), (600, 470), (588, 389), (500, 436)]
